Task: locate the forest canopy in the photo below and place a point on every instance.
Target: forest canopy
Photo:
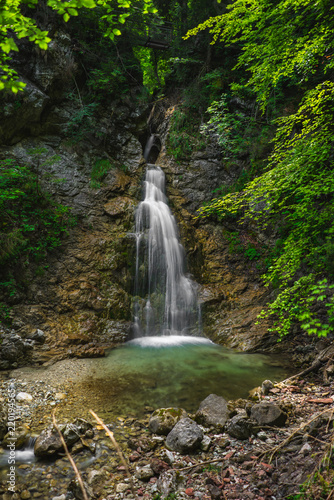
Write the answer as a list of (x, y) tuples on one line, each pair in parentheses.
[(17, 21), (286, 48)]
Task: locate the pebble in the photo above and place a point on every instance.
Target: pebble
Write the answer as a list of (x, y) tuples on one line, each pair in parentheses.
[(24, 397)]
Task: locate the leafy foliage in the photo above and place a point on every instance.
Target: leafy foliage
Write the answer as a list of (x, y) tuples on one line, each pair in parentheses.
[(296, 194), (31, 224), (277, 40), (15, 21), (184, 134)]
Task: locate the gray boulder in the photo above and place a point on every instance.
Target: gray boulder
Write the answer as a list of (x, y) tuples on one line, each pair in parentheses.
[(213, 411), (186, 436), (163, 420), (268, 414), (240, 427), (49, 443)]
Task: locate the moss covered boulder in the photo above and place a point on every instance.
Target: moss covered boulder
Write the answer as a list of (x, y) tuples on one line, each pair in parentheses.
[(163, 420)]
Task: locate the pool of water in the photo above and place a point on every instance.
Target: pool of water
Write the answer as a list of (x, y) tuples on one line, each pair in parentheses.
[(173, 371)]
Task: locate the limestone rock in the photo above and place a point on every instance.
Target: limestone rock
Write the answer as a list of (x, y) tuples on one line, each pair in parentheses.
[(240, 427), (268, 414), (75, 489), (48, 443), (144, 473), (213, 411), (205, 444), (186, 436), (167, 483), (119, 206), (24, 397), (163, 420)]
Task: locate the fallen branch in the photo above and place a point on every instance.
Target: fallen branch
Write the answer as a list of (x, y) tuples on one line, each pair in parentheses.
[(75, 468), (322, 358), (288, 439), (199, 464)]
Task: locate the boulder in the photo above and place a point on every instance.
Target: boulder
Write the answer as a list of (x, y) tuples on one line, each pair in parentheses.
[(268, 414), (163, 420), (49, 443), (240, 427), (213, 411), (186, 436)]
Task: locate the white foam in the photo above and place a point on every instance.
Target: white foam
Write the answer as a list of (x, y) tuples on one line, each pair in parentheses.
[(169, 341)]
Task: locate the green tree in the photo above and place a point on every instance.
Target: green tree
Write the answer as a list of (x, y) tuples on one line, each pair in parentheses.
[(278, 40), (17, 21)]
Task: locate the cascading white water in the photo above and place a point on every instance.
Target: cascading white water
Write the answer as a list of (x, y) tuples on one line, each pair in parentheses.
[(166, 299)]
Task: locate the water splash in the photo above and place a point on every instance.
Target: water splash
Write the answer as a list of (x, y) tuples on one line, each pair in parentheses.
[(169, 341), (166, 298)]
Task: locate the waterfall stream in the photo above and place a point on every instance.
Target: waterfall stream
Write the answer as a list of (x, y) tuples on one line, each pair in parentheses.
[(165, 297)]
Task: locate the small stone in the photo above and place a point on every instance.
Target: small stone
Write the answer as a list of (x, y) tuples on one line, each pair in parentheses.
[(60, 395), (61, 497), (240, 427), (305, 449), (144, 473), (266, 386), (205, 444), (189, 492), (213, 411), (121, 487), (24, 397), (25, 495), (268, 414), (262, 436)]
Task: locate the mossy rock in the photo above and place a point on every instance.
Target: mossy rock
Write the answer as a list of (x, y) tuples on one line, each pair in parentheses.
[(163, 420)]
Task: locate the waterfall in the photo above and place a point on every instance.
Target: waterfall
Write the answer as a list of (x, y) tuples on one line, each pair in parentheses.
[(166, 298), (148, 146)]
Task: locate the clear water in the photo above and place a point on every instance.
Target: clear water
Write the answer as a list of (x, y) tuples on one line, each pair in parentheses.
[(172, 371)]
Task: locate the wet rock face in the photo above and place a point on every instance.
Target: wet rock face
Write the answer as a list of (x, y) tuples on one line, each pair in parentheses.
[(13, 350), (213, 411), (83, 298), (185, 437), (163, 420)]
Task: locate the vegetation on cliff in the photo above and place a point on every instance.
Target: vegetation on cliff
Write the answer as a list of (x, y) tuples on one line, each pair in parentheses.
[(285, 53), (249, 73)]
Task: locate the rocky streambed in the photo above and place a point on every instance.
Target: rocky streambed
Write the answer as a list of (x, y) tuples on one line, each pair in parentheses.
[(262, 447)]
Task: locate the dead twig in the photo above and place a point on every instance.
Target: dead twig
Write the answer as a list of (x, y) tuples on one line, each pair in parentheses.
[(288, 439), (199, 464), (118, 449), (75, 468)]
